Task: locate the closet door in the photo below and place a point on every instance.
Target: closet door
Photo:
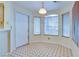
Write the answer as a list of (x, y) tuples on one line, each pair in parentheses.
[(21, 29)]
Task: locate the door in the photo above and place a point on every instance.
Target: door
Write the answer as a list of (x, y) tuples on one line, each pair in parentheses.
[(21, 29)]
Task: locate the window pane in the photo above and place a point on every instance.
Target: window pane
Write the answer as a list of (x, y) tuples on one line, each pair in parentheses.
[(66, 25), (51, 25), (36, 25)]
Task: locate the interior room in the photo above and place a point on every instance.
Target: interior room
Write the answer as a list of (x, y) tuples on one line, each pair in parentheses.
[(39, 29)]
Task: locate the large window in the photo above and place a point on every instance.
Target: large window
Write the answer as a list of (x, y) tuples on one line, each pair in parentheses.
[(66, 25), (36, 25), (51, 25), (21, 28)]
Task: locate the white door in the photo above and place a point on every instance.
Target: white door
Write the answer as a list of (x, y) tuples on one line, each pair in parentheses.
[(21, 29)]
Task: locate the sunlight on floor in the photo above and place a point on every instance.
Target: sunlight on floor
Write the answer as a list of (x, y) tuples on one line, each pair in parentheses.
[(41, 50)]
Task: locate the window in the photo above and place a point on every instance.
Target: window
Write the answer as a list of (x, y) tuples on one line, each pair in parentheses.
[(51, 25), (66, 25), (21, 28), (36, 25)]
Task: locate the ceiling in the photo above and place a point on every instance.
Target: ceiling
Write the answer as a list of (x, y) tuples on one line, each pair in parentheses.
[(48, 5)]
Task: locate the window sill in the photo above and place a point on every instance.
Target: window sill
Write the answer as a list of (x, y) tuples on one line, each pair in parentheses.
[(65, 36)]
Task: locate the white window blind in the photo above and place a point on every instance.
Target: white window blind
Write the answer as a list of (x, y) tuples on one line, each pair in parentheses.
[(36, 25), (51, 25), (66, 25)]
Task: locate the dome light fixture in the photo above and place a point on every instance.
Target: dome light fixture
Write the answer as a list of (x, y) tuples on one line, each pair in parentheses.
[(42, 10)]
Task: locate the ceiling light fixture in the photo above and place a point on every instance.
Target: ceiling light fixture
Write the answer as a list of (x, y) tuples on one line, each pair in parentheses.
[(42, 10)]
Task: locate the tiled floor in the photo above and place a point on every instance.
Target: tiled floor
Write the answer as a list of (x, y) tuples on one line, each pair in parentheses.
[(41, 50)]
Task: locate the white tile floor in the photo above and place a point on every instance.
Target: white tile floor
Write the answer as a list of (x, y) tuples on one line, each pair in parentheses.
[(41, 50)]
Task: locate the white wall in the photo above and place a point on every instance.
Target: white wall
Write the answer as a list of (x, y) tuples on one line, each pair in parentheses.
[(72, 45), (28, 13), (9, 21), (10, 17), (3, 42), (67, 42)]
